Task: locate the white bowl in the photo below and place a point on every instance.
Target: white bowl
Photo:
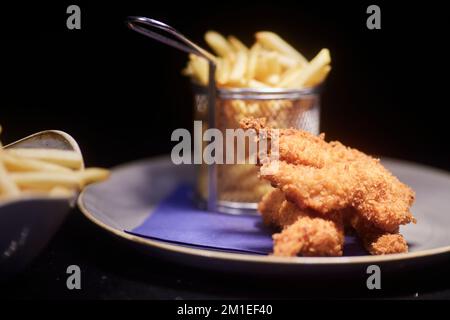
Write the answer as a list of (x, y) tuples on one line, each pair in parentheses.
[(27, 225)]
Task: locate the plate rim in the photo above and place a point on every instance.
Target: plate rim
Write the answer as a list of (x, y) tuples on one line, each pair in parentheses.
[(265, 259)]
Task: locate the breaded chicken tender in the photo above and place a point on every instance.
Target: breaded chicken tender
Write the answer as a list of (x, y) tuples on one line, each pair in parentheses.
[(310, 237), (376, 241), (327, 177), (303, 232), (269, 208)]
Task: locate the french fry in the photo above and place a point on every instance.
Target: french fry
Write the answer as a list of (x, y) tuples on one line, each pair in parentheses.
[(261, 71), (92, 175), (310, 71), (319, 77), (237, 44), (219, 44), (223, 71), (268, 70), (289, 76), (273, 41), (273, 67), (252, 61), (46, 180), (239, 67), (59, 191), (286, 61), (40, 191), (17, 164), (200, 69), (7, 186), (69, 159)]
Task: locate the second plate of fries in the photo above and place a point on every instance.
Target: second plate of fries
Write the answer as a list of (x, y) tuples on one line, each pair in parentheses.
[(27, 170), (40, 177)]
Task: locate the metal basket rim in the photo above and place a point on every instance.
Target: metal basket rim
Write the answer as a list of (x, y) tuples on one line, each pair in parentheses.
[(259, 93)]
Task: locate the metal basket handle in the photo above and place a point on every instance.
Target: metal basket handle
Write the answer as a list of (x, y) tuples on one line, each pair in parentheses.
[(179, 41), (144, 26)]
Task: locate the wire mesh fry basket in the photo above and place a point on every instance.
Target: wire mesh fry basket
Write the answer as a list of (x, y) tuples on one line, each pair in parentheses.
[(239, 188)]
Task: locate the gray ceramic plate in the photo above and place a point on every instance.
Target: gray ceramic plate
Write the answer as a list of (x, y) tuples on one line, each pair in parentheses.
[(125, 200)]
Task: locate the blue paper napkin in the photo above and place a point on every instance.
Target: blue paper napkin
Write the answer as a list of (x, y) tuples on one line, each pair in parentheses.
[(177, 219)]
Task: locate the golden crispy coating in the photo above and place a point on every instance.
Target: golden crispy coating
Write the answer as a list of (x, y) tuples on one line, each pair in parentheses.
[(337, 187), (319, 238), (309, 235), (327, 177), (376, 241), (304, 232), (270, 209)]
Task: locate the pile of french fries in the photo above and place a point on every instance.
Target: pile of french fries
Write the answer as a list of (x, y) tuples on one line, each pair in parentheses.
[(28, 172), (270, 62)]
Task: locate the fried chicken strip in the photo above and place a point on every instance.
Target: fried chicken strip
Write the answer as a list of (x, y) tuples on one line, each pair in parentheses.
[(303, 232), (328, 177), (376, 241), (269, 208)]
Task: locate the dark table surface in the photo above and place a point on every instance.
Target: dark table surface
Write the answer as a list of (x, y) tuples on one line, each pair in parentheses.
[(111, 269)]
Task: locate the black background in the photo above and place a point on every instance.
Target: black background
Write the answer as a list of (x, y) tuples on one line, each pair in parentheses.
[(121, 94)]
